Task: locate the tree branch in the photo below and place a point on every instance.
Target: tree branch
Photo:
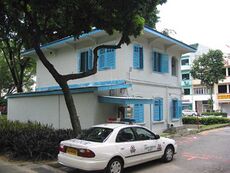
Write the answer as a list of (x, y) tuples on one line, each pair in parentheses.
[(94, 70)]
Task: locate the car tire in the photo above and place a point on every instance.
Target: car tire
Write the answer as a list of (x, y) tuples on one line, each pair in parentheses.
[(193, 115), (168, 154), (115, 165)]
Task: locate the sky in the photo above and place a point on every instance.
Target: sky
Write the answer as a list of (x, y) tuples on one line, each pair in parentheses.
[(198, 21)]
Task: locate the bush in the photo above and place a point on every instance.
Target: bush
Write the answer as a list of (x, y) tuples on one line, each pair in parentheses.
[(205, 120), (223, 114), (30, 141)]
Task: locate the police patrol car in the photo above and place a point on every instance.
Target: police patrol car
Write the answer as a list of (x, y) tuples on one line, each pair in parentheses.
[(113, 147)]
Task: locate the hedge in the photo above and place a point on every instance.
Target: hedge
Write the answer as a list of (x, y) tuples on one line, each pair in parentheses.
[(223, 114), (31, 140), (205, 120)]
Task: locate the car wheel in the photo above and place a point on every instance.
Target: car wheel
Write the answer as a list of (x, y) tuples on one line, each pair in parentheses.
[(193, 115), (168, 154), (115, 166)]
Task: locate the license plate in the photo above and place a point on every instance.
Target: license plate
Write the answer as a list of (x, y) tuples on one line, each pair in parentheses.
[(72, 151)]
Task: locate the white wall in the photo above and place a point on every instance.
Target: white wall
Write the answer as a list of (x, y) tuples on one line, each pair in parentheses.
[(65, 60), (52, 110), (153, 91)]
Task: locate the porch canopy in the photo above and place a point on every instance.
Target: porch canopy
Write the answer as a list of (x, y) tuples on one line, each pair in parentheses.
[(124, 100)]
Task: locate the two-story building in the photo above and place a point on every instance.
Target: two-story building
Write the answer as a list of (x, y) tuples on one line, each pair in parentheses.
[(141, 80)]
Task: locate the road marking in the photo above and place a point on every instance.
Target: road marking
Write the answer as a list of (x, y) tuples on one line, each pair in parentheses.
[(191, 156)]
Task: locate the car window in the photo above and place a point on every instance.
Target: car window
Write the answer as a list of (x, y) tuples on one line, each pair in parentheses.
[(95, 134), (143, 134), (125, 135)]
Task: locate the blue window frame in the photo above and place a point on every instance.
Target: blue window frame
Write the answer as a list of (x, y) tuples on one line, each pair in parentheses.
[(138, 57), (160, 62), (107, 59), (138, 113), (176, 109), (158, 109), (85, 61)]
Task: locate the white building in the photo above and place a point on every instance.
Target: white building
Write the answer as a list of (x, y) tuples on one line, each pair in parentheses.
[(195, 96), (222, 90), (140, 81)]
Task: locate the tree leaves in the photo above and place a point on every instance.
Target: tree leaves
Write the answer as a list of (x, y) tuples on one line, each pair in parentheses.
[(208, 68)]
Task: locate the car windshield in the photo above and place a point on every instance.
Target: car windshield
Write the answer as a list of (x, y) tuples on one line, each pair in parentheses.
[(95, 134)]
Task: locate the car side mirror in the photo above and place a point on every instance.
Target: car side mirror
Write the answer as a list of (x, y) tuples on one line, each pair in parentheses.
[(157, 136)]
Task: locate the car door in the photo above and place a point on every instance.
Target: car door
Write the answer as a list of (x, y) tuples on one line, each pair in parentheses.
[(128, 147), (151, 147)]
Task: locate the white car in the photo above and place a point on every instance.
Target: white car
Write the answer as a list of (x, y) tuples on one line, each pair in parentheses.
[(188, 112), (112, 147)]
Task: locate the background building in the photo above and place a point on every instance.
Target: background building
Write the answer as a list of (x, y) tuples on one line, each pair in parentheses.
[(195, 96)]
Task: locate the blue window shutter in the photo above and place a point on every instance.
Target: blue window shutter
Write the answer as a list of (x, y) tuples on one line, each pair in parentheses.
[(110, 58), (136, 62), (161, 108), (154, 61), (141, 111), (156, 110), (171, 109), (78, 62), (164, 63), (90, 59), (141, 58), (138, 113), (179, 108), (101, 57)]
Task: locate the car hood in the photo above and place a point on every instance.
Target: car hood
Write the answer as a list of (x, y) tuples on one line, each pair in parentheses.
[(78, 143)]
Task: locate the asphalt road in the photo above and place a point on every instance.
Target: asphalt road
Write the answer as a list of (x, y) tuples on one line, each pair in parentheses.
[(207, 152)]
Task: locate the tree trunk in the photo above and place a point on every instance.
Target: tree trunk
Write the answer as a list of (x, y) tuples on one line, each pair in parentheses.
[(211, 98), (71, 108), (66, 91)]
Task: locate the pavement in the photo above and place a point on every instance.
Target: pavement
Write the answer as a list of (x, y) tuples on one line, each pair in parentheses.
[(205, 152)]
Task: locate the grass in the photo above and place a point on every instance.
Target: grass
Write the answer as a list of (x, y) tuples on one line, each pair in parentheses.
[(213, 126), (202, 128), (3, 117)]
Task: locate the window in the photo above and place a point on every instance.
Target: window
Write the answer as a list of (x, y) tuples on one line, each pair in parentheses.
[(201, 91), (228, 71), (85, 61), (176, 109), (96, 134), (224, 71), (160, 62), (222, 89), (185, 76), (158, 109), (186, 91), (125, 135), (107, 59), (174, 66), (185, 62), (138, 57), (143, 134), (138, 113)]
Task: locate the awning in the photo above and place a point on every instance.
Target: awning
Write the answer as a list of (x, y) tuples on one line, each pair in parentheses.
[(124, 100)]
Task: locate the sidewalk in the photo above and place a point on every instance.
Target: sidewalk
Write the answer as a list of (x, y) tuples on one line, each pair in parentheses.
[(27, 167)]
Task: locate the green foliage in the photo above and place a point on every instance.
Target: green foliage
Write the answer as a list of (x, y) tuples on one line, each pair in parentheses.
[(207, 68), (6, 81), (30, 141), (205, 120), (223, 114), (47, 20)]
